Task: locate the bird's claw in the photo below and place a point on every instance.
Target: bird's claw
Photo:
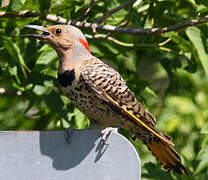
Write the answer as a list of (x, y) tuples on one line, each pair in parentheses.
[(68, 133), (106, 132)]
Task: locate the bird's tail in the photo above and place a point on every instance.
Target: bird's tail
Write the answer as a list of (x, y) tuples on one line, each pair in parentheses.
[(158, 143), (167, 156)]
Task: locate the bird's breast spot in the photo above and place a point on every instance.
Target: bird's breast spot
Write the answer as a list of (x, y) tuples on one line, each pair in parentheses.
[(66, 78)]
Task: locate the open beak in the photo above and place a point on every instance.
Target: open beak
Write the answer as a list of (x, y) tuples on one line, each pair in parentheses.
[(43, 36)]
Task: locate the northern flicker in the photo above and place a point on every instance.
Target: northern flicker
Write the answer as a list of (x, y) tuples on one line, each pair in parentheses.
[(101, 93)]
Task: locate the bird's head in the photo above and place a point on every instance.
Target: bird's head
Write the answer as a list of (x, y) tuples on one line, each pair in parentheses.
[(62, 38)]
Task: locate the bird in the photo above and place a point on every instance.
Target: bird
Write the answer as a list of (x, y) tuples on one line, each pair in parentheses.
[(102, 95)]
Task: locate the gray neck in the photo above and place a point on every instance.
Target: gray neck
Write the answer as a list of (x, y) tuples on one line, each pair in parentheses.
[(74, 56), (79, 53)]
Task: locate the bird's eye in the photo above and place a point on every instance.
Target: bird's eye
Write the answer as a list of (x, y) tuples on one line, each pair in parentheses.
[(58, 31)]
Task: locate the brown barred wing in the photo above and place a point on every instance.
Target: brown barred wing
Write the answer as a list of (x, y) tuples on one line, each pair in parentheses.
[(100, 77)]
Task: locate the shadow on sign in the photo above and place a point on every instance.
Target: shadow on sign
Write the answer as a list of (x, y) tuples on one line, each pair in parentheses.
[(68, 155)]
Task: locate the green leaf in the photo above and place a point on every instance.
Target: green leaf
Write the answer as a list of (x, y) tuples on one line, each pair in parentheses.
[(13, 71), (184, 105), (150, 91), (203, 160), (192, 2), (195, 36), (130, 61), (46, 57), (16, 4), (47, 54), (204, 2), (41, 90), (205, 129), (44, 5), (79, 119), (14, 51), (179, 40)]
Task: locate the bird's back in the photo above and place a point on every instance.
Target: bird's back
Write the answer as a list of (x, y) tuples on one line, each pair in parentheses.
[(99, 76)]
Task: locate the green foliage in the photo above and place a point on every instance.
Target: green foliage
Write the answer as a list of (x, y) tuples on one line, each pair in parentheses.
[(167, 72)]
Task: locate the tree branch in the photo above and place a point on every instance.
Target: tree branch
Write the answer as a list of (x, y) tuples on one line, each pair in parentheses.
[(109, 13), (5, 92), (107, 28), (104, 36), (121, 43)]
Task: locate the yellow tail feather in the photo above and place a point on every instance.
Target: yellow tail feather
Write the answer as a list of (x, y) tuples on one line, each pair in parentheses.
[(167, 156), (149, 128)]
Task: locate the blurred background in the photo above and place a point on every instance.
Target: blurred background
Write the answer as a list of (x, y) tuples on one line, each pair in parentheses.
[(168, 72)]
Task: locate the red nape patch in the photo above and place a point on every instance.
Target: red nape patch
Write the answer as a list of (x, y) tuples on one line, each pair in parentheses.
[(85, 44)]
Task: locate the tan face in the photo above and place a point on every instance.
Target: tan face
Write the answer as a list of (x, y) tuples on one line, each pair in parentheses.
[(56, 36)]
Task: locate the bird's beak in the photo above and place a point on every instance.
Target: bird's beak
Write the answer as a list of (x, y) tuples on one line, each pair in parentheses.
[(42, 37)]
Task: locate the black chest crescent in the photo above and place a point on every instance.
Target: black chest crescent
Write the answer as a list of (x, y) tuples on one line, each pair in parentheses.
[(66, 78)]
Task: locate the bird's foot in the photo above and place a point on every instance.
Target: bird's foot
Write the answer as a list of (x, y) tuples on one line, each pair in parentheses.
[(106, 132), (68, 134)]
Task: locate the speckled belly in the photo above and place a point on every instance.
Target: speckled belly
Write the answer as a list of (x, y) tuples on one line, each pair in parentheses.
[(86, 101)]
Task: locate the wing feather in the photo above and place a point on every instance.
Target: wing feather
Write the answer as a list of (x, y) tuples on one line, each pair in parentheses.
[(105, 82), (136, 119)]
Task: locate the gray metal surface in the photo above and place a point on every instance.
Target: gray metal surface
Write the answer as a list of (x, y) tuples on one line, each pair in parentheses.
[(34, 155)]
